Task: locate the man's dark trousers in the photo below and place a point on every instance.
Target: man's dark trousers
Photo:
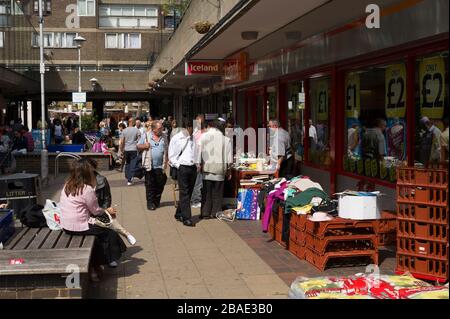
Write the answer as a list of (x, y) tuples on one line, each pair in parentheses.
[(129, 170), (186, 182), (212, 198), (155, 180)]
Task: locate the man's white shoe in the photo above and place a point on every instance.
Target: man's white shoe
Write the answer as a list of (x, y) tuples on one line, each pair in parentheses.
[(113, 264), (129, 183), (131, 239), (198, 205)]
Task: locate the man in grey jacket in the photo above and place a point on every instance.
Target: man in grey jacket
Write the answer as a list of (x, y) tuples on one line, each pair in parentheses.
[(214, 157)]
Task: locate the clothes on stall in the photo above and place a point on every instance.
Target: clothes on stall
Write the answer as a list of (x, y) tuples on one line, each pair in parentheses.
[(304, 198), (278, 193)]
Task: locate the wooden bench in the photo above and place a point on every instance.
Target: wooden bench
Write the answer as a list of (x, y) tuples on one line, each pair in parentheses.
[(49, 257)]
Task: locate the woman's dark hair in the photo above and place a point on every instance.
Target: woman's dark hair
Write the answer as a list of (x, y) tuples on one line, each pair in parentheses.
[(92, 162), (122, 125), (81, 174)]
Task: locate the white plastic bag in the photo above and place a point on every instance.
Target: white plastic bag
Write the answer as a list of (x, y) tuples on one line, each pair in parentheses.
[(52, 214)]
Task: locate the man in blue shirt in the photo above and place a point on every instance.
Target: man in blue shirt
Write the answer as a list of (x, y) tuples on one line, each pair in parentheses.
[(154, 147)]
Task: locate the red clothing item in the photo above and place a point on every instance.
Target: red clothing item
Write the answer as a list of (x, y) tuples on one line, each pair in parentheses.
[(30, 141)]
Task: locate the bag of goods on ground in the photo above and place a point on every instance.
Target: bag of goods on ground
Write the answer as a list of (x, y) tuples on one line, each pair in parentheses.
[(366, 287)]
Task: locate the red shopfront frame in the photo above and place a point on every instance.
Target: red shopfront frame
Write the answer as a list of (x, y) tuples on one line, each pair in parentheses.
[(407, 52)]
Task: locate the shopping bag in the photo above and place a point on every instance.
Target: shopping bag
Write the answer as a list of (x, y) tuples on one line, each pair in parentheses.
[(52, 215), (247, 208)]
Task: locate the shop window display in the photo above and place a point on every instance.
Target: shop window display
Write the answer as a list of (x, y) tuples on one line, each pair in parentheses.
[(319, 122), (431, 138), (375, 143), (295, 108)]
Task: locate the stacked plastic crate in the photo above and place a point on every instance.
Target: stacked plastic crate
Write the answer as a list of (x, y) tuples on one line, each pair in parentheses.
[(340, 240), (422, 227), (276, 227)]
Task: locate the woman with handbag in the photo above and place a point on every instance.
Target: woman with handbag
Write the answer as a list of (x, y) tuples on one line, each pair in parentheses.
[(79, 206)]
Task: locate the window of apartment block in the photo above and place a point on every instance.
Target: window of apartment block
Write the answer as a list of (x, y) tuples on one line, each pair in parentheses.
[(47, 6), (375, 103), (128, 16), (319, 121), (122, 40), (432, 110), (86, 8), (2, 39), (56, 40)]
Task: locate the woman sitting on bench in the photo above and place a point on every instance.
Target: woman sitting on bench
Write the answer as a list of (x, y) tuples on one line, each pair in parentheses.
[(78, 204)]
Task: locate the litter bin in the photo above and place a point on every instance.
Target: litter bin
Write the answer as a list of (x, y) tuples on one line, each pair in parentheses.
[(20, 190)]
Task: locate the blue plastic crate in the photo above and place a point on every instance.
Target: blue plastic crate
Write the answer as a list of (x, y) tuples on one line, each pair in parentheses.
[(71, 148), (6, 225)]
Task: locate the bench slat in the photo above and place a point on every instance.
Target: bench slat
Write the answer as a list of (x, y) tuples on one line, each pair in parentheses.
[(44, 261), (15, 239), (88, 241), (76, 241), (51, 239), (63, 241), (26, 239), (39, 239)]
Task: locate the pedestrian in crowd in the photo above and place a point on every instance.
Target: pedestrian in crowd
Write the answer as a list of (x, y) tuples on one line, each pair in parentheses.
[(199, 129), (444, 141), (373, 142), (4, 140), (140, 127), (78, 137), (69, 125), (174, 129), (120, 153), (130, 138), (58, 131), (313, 137), (214, 157), (79, 204), (29, 138), (67, 140), (280, 149), (181, 157), (42, 124), (102, 126), (18, 126), (113, 125), (123, 121), (430, 144), (104, 198), (19, 145), (154, 146)]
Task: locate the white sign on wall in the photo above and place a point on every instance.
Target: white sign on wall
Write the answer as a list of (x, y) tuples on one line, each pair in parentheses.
[(79, 97)]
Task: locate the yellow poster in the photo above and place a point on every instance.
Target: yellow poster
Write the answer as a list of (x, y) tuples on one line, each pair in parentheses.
[(322, 100), (353, 95), (432, 87), (395, 81)]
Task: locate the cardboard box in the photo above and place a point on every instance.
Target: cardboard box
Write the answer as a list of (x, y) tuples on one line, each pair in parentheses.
[(359, 207)]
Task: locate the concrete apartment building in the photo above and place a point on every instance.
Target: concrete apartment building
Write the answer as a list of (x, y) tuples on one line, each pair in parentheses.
[(123, 39)]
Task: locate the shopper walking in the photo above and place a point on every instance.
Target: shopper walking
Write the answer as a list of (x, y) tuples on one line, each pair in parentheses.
[(181, 157), (130, 138), (214, 157), (154, 147), (199, 129)]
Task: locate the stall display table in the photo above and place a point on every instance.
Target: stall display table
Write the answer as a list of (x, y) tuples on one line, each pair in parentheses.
[(239, 174)]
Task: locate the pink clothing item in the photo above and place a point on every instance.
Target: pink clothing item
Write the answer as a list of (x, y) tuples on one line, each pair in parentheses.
[(76, 211), (277, 193)]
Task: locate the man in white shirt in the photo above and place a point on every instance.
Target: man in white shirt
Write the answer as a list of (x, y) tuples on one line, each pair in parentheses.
[(280, 149), (181, 157), (312, 136), (140, 127)]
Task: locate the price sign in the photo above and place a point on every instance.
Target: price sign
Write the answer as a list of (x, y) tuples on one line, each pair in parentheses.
[(432, 87), (353, 95), (322, 100), (396, 91)]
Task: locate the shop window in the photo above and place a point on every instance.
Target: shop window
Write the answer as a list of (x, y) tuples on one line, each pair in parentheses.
[(375, 104), (431, 134), (319, 122), (295, 110), (271, 103)]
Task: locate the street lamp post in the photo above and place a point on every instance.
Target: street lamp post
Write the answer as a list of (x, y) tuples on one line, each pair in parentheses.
[(79, 41), (44, 151)]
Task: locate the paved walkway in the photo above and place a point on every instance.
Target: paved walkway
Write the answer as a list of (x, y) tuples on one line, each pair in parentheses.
[(173, 261)]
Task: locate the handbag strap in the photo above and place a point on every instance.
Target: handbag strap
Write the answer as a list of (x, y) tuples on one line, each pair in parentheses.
[(184, 148)]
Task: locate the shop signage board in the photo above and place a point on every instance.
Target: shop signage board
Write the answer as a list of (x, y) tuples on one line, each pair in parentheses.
[(79, 97), (395, 79), (235, 68), (432, 87), (210, 67), (353, 95)]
